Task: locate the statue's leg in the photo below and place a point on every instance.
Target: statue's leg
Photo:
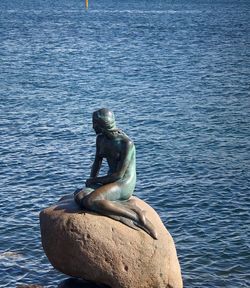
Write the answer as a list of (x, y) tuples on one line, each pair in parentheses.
[(144, 223), (106, 201), (79, 194), (102, 200), (141, 213), (132, 212)]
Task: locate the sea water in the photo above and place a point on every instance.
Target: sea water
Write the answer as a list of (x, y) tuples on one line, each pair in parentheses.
[(176, 74)]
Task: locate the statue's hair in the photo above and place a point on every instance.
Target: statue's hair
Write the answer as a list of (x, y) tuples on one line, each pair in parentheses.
[(106, 119)]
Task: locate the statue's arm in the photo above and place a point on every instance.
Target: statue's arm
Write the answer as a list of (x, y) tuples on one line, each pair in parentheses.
[(96, 167), (122, 166), (97, 162)]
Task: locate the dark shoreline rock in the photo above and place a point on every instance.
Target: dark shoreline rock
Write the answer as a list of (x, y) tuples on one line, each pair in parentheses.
[(77, 283)]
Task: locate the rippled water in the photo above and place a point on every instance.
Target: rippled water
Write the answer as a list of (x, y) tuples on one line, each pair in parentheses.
[(176, 73)]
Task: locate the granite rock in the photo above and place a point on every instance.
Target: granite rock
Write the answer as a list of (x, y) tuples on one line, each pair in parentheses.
[(96, 248)]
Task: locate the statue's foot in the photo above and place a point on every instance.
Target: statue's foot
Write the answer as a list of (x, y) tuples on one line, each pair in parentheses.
[(143, 222), (141, 214), (149, 228), (142, 217), (128, 222)]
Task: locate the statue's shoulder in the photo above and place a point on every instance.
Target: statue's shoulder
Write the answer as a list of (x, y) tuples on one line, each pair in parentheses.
[(128, 142), (99, 139)]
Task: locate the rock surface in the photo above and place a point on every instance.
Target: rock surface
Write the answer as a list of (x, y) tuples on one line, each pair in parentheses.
[(96, 248)]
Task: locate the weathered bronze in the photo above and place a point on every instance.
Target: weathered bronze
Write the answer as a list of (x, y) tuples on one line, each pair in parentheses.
[(110, 195)]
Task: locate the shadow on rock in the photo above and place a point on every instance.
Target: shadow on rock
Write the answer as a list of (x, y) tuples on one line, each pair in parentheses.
[(76, 283)]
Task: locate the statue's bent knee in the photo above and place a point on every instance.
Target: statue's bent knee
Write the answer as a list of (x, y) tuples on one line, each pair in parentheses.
[(88, 202)]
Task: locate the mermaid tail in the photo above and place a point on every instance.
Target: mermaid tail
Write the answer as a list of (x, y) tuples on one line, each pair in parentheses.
[(147, 227)]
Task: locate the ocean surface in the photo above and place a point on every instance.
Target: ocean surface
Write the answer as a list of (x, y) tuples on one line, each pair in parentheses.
[(176, 75)]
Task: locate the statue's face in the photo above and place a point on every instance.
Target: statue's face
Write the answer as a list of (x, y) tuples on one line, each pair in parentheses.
[(96, 127)]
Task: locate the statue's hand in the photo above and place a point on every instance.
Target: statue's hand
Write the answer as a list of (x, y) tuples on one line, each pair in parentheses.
[(89, 182)]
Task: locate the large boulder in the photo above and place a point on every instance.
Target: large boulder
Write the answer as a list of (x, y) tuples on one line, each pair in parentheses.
[(96, 248)]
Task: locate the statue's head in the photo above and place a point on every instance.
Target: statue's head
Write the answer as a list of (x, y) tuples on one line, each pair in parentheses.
[(104, 121)]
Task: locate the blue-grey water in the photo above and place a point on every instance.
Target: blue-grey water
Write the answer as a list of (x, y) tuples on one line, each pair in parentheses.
[(176, 74)]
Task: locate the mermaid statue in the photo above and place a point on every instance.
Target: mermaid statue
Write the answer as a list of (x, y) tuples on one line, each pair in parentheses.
[(110, 195)]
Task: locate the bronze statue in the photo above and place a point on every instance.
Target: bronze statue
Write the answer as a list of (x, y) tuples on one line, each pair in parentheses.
[(110, 195)]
